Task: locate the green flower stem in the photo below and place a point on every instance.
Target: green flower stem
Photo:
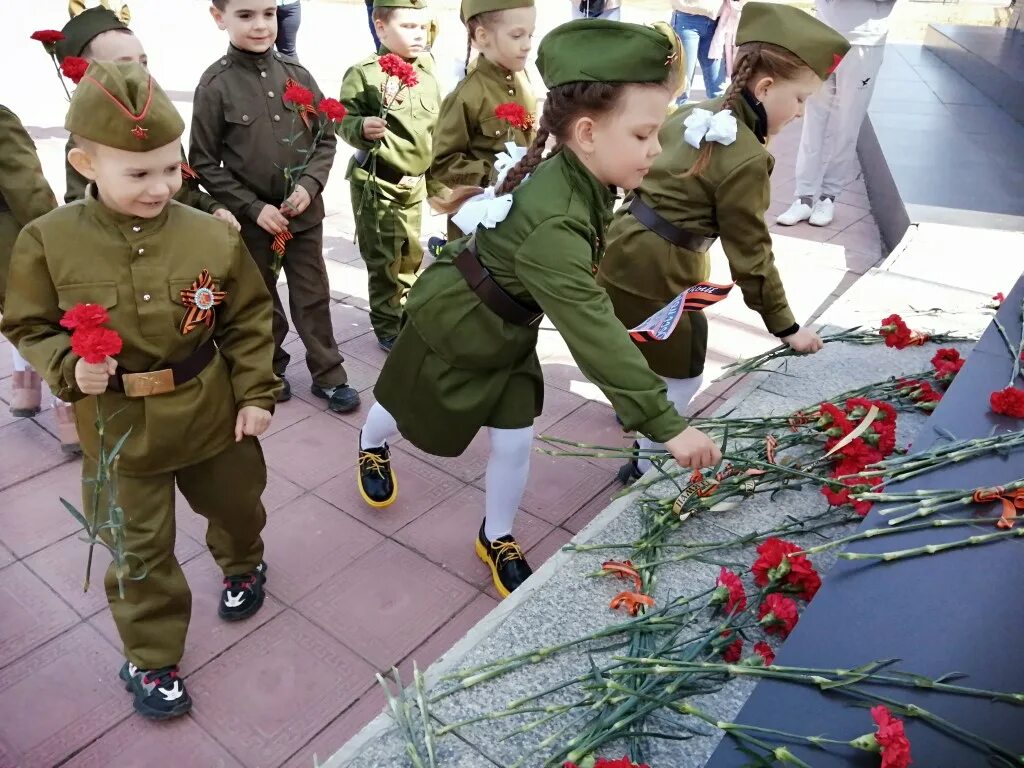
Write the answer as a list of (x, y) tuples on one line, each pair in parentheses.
[(875, 532), (932, 549), (1019, 353), (1006, 339)]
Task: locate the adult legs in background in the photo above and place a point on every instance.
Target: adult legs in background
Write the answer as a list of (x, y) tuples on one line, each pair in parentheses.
[(695, 32), (289, 17)]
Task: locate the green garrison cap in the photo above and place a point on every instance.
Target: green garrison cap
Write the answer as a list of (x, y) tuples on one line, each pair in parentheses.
[(399, 3), (120, 105), (602, 51), (471, 8), (81, 30), (819, 46)]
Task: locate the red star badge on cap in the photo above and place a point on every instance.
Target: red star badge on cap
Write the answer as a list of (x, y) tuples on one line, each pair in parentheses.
[(139, 132), (836, 61)]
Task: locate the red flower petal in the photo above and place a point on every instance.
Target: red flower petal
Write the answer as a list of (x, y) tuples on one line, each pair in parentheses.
[(1008, 401), (48, 36), (74, 68), (94, 345), (84, 316)]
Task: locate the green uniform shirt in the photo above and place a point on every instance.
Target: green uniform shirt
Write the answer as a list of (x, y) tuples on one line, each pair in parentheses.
[(545, 252), (137, 268), (728, 201), (242, 132), (24, 193), (468, 134), (408, 145)]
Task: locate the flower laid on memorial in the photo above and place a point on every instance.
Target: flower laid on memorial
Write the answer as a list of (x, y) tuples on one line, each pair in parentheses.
[(1008, 402), (607, 762), (889, 739)]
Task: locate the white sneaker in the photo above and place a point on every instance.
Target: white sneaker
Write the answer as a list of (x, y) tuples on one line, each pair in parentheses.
[(823, 213), (798, 211)]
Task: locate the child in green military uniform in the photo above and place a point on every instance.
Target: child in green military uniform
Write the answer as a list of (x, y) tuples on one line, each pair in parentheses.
[(243, 137), (468, 347), (388, 217), (712, 181), (24, 196), (193, 380), (469, 133)]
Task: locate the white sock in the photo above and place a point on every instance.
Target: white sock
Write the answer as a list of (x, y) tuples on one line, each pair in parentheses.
[(379, 426), (20, 363), (680, 393), (508, 469)]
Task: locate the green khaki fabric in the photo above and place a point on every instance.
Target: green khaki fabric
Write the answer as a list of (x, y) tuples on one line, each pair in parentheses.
[(469, 368), (120, 105), (471, 8), (24, 193), (599, 50), (136, 269), (643, 272), (813, 41), (84, 27), (240, 133)]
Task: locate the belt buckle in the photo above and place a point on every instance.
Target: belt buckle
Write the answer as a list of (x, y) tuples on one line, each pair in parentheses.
[(149, 383), (409, 181)]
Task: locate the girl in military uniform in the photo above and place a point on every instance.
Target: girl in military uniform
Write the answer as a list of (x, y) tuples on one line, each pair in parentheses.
[(466, 355), (469, 134), (713, 181)]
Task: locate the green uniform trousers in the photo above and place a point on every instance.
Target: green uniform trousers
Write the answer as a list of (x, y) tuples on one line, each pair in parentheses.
[(389, 241), (309, 298), (153, 617)]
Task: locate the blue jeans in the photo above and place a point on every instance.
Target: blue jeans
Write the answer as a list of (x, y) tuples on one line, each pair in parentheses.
[(695, 32), (289, 17)]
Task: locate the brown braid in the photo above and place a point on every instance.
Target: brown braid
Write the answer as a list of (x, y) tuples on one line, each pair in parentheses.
[(527, 165), (753, 61)]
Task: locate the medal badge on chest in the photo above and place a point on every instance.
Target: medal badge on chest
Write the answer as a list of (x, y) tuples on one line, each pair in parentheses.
[(200, 301), (391, 92)]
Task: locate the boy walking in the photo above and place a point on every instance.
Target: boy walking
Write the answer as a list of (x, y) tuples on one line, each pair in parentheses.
[(401, 146), (193, 379), (242, 138)]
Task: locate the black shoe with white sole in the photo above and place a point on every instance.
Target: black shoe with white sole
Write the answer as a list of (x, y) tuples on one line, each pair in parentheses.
[(340, 399), (243, 594), (159, 693)]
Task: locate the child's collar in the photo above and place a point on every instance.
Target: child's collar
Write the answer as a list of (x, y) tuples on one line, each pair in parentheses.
[(248, 58), (122, 221), (751, 112)]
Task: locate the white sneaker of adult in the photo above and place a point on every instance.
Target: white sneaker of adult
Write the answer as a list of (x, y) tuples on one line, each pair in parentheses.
[(823, 213), (797, 212)]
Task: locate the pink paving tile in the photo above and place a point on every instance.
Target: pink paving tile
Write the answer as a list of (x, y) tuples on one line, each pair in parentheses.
[(343, 728), (862, 236), (305, 678), (62, 567), (308, 542), (803, 231), (279, 491), (591, 424), (846, 215), (557, 405), (384, 602), (28, 450), (357, 418), (559, 486), (349, 322), (134, 742), (361, 376), (42, 724), (446, 535), (442, 641), (468, 467), (857, 200), (31, 515), (313, 451), (32, 614), (548, 546), (292, 412), (365, 348), (6, 556), (421, 486), (592, 508)]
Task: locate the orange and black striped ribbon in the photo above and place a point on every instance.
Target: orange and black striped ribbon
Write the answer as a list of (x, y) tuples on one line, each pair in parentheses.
[(305, 110), (280, 239), (200, 300), (1012, 501), (187, 173)]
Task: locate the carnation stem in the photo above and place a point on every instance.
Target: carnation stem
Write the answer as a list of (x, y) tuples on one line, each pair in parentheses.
[(932, 549)]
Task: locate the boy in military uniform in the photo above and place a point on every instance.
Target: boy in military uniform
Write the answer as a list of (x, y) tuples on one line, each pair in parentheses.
[(242, 138), (24, 196), (469, 134), (711, 181), (193, 380), (388, 217)]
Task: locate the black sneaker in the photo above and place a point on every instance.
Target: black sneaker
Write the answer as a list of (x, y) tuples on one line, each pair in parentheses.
[(435, 244), (386, 344), (377, 483), (340, 399), (505, 558), (630, 472), (286, 391), (243, 594), (159, 693)]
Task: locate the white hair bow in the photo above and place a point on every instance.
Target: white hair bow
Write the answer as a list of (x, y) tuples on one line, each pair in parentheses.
[(702, 125), (505, 161), (485, 209)]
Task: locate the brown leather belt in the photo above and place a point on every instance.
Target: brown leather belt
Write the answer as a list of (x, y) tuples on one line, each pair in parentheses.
[(387, 172), (165, 380), (494, 297), (666, 230)]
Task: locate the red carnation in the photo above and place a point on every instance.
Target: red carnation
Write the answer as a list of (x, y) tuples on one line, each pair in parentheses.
[(947, 363), (765, 651), (999, 299), (73, 68), (395, 66), (803, 579), (515, 115), (605, 762), (734, 651), (892, 738), (332, 109), (778, 615), (48, 36), (833, 421), (1009, 402), (895, 332), (94, 345), (82, 316), (773, 564), (729, 592), (297, 95)]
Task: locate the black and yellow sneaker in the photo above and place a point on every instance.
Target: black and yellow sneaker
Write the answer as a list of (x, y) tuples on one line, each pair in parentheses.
[(505, 558), (159, 693), (435, 245), (377, 483)]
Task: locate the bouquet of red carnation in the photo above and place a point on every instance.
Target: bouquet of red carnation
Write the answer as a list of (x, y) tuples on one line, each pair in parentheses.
[(515, 115)]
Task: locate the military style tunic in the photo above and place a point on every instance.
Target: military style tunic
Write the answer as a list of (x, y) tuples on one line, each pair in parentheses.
[(470, 368), (642, 272), (24, 193), (136, 269)]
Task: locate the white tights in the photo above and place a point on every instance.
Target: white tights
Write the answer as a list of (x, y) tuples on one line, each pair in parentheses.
[(680, 393), (508, 467)]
